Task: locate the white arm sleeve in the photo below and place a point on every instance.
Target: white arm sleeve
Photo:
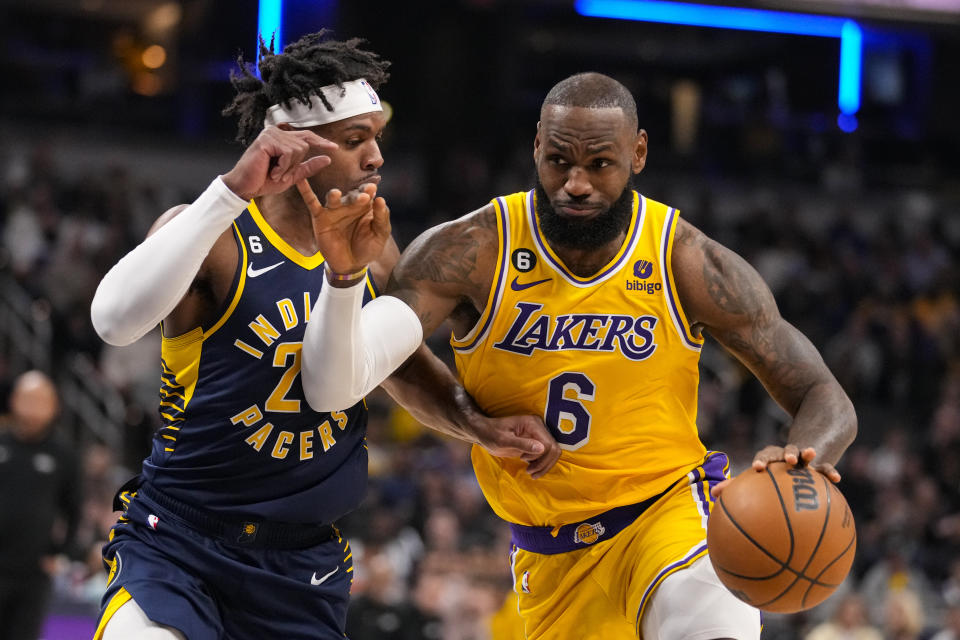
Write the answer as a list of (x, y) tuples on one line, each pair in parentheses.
[(147, 283), (348, 350)]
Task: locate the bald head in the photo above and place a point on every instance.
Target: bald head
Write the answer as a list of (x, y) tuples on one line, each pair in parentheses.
[(33, 404), (593, 91)]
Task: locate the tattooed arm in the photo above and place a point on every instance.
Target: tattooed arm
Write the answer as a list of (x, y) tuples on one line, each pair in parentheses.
[(725, 296), (347, 351), (446, 274)]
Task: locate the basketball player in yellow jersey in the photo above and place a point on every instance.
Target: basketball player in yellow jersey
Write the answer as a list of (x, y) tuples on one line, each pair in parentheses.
[(585, 302)]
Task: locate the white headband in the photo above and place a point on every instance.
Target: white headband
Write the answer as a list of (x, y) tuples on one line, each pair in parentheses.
[(358, 97)]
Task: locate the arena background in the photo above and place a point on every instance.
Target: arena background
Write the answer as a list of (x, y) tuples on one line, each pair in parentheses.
[(109, 114)]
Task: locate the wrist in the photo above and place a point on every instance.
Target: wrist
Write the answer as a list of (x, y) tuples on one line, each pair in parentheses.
[(231, 183), (344, 279)]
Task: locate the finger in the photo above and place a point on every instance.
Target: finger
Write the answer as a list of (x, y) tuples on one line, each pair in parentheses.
[(791, 454), (309, 197), (381, 217), (808, 454), (284, 161), (318, 143), (311, 167), (355, 197), (765, 456), (528, 448), (539, 467), (716, 489), (333, 199), (828, 470)]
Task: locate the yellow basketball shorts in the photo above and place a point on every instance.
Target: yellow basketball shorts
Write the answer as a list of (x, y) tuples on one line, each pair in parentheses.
[(599, 589)]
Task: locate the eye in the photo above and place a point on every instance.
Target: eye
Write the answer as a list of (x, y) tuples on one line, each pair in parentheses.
[(601, 163), (557, 160)]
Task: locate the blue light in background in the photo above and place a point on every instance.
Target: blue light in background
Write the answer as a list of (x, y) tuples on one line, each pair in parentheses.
[(848, 31), (269, 23), (851, 67)]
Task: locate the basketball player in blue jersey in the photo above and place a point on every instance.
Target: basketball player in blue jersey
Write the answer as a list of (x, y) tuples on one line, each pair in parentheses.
[(228, 531), (585, 302)]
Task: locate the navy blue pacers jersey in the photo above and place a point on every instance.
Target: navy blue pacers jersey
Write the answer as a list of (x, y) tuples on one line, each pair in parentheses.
[(238, 436)]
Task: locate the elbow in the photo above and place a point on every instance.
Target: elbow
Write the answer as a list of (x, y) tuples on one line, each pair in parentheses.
[(322, 389), (102, 317), (850, 422)]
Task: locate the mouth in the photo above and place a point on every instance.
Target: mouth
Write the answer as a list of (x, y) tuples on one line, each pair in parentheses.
[(371, 179), (577, 210)]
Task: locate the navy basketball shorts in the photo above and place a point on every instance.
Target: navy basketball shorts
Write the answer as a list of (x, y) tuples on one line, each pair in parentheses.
[(216, 588)]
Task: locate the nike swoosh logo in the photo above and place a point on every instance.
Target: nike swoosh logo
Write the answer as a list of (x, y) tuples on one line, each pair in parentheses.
[(314, 580), (520, 286), (253, 273)]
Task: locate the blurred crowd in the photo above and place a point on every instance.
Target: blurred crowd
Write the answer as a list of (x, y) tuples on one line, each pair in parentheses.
[(871, 276)]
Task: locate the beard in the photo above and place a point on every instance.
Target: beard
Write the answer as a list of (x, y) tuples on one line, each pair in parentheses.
[(573, 233)]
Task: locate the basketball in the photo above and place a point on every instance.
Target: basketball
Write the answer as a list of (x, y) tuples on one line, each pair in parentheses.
[(783, 539)]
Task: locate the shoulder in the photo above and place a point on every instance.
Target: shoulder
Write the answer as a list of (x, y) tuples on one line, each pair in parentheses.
[(467, 239), (454, 261), (166, 217), (716, 286)]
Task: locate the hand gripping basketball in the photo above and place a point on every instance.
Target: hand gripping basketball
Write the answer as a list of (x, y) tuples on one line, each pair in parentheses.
[(782, 539)]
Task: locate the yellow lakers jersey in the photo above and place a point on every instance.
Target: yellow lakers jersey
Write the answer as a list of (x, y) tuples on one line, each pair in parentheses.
[(608, 361)]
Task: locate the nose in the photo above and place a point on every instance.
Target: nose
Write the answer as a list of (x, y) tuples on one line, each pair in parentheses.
[(375, 159), (578, 182)]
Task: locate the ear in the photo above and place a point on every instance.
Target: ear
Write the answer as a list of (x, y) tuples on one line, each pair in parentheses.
[(536, 142), (639, 152)]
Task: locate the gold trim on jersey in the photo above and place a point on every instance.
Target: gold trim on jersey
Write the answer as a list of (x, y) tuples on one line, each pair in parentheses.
[(180, 359), (281, 245), (240, 284), (119, 599), (307, 262), (634, 230), (479, 331), (677, 315)]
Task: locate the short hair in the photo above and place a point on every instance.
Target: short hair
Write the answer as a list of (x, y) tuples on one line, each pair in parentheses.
[(593, 91), (304, 66)]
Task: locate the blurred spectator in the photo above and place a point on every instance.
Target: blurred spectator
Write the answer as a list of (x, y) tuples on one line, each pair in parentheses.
[(849, 622), (903, 617), (41, 489), (951, 628)]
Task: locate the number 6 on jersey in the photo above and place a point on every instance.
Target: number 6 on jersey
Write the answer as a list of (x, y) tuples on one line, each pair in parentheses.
[(565, 416)]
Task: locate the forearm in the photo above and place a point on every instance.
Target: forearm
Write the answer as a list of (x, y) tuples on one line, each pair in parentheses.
[(147, 283), (792, 370), (426, 387), (348, 350), (825, 420)]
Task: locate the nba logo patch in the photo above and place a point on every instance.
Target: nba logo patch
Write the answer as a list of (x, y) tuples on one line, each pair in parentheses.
[(588, 533), (153, 521), (525, 582), (370, 92)]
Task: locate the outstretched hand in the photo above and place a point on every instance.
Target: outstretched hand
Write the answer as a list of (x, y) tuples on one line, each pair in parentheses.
[(524, 437), (351, 230), (276, 160), (793, 456)]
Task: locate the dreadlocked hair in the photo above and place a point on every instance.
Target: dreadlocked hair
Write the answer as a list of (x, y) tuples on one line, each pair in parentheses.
[(304, 66)]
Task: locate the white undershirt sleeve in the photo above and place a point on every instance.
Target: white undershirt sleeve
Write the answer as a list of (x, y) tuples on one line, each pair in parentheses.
[(145, 286), (349, 349)]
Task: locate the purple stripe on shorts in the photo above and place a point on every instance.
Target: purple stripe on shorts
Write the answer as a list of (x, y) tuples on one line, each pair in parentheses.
[(581, 535), (686, 560)]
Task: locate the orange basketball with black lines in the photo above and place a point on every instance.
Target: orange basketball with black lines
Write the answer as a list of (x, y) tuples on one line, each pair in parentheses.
[(782, 539)]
